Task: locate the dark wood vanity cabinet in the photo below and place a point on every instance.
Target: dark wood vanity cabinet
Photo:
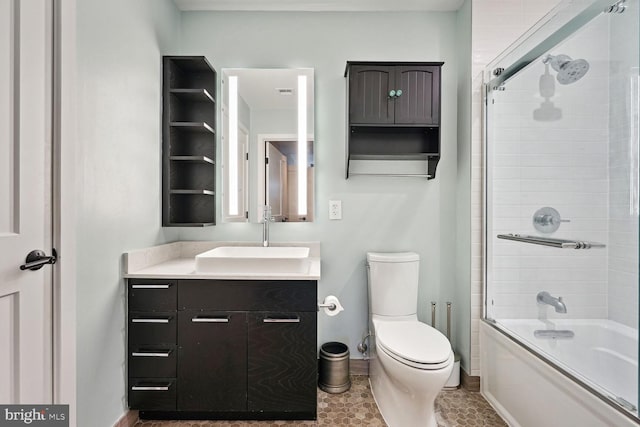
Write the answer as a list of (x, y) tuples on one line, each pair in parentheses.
[(241, 350), (394, 113)]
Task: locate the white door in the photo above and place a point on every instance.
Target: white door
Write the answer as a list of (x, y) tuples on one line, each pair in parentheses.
[(276, 182), (25, 200)]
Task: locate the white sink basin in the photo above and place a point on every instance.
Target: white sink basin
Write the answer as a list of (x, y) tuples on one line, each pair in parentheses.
[(254, 260)]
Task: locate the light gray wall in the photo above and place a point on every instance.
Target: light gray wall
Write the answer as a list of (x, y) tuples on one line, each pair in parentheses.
[(120, 44), (379, 214), (461, 330)]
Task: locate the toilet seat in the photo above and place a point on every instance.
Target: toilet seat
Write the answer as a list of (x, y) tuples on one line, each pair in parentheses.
[(414, 343)]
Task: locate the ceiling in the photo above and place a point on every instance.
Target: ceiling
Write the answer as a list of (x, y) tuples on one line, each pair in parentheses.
[(321, 5)]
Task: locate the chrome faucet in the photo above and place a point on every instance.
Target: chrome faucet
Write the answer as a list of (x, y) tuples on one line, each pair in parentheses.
[(545, 297), (266, 219)]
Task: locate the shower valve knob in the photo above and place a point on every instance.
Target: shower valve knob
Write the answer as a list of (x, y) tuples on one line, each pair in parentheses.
[(547, 220)]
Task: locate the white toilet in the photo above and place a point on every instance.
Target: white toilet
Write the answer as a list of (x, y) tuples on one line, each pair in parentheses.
[(410, 360)]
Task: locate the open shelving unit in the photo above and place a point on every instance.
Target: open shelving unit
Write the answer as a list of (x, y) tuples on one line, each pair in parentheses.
[(188, 142)]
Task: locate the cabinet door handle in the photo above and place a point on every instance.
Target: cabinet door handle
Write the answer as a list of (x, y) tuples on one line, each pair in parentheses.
[(151, 388), (284, 320), (151, 354), (210, 320), (392, 93), (398, 93), (159, 286), (142, 320)]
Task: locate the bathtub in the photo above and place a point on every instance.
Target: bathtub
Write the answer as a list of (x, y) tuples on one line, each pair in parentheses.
[(560, 372)]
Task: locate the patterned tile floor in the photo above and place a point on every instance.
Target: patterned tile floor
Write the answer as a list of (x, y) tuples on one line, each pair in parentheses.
[(457, 408)]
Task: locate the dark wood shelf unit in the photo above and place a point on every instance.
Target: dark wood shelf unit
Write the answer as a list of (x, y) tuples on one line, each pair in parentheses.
[(189, 145), (385, 126)]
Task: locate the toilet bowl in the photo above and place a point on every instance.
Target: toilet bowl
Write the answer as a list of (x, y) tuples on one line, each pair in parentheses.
[(410, 361)]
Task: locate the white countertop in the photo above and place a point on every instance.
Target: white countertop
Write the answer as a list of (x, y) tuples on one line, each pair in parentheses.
[(177, 261)]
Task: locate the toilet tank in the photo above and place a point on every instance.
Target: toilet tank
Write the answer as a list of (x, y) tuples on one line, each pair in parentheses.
[(393, 283)]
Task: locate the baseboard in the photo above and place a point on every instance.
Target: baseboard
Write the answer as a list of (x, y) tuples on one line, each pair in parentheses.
[(128, 419), (358, 367), (468, 382)]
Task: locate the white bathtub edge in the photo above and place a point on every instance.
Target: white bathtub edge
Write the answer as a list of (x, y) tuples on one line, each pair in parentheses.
[(527, 392)]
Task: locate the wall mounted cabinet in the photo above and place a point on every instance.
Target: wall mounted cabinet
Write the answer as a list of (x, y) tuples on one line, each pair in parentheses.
[(222, 349), (188, 141), (393, 118)]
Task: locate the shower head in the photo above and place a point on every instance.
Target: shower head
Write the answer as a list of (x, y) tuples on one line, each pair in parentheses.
[(569, 70)]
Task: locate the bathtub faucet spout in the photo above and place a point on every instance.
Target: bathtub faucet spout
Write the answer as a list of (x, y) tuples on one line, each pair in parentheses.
[(545, 297)]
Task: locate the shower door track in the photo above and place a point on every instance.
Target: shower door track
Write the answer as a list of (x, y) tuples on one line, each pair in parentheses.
[(555, 38)]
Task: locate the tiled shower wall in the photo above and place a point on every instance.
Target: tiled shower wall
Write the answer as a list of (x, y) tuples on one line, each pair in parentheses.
[(495, 25), (559, 163), (623, 170)]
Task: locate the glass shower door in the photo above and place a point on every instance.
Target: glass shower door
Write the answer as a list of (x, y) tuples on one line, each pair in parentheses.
[(561, 220)]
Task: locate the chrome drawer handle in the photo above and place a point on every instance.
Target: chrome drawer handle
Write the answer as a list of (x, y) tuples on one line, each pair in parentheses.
[(150, 388), (272, 320), (151, 354), (210, 320), (160, 286), (138, 320)]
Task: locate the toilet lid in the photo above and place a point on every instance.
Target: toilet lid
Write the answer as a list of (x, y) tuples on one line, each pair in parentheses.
[(413, 341)]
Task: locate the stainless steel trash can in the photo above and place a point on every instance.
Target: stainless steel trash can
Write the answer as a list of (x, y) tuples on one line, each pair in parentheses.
[(333, 372)]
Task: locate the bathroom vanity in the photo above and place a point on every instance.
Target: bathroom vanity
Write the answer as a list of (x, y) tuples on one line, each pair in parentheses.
[(212, 346)]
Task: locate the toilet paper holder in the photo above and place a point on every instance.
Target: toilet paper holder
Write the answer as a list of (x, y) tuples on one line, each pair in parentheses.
[(331, 305)]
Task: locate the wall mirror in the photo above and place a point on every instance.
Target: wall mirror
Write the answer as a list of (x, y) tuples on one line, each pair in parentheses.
[(267, 144)]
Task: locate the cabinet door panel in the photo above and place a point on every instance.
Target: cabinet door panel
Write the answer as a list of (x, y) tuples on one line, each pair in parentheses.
[(420, 99), (282, 361), (369, 101), (212, 361)]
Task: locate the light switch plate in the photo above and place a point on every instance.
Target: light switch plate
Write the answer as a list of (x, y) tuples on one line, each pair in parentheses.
[(335, 209)]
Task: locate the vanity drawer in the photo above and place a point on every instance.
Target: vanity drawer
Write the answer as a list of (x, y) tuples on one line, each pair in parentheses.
[(152, 394), (248, 295), (152, 361), (152, 295), (152, 328)]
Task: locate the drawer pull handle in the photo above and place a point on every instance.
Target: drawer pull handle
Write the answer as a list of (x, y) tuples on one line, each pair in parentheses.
[(210, 320), (159, 286), (138, 320), (272, 320), (151, 354), (150, 388)]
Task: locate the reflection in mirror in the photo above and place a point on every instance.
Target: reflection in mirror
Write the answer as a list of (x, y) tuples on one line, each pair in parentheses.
[(282, 191), (267, 133)]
